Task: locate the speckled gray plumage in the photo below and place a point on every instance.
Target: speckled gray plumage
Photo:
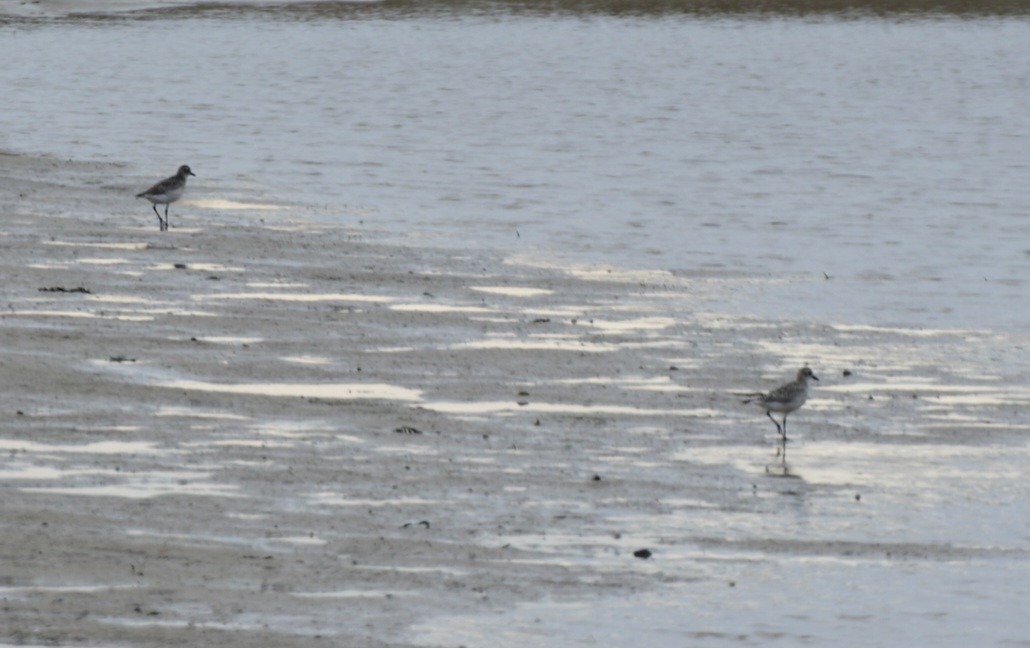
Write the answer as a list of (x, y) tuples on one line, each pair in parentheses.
[(166, 192)]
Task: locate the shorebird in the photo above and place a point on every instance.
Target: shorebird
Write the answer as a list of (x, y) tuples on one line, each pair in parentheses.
[(166, 192), (784, 399)]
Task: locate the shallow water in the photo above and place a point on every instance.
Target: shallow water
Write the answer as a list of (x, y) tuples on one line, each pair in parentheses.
[(861, 543), (809, 602), (889, 155)]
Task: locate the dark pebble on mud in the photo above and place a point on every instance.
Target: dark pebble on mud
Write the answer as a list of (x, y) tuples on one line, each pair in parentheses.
[(62, 289)]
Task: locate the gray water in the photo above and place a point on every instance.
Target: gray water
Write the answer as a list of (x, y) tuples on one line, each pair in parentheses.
[(892, 156)]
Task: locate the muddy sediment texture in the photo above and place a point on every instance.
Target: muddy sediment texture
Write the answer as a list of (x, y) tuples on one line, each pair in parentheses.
[(253, 430)]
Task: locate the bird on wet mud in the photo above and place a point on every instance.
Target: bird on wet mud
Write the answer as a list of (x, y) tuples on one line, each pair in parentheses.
[(166, 192), (785, 399)]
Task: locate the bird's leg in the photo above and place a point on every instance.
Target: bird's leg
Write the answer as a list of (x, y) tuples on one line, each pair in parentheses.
[(775, 422), (167, 205), (160, 223), (784, 429)]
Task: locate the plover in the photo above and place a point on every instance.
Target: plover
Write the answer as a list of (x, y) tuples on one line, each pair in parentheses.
[(784, 399), (166, 192)]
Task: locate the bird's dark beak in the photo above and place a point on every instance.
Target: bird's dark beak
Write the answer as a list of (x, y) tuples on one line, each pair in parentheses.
[(815, 377), (192, 174)]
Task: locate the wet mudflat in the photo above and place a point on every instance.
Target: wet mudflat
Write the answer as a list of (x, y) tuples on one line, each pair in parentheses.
[(267, 431)]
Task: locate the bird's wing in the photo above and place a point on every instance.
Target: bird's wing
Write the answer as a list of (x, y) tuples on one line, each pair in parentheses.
[(160, 187), (783, 392)]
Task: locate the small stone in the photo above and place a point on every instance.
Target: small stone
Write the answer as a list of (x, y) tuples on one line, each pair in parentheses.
[(643, 554)]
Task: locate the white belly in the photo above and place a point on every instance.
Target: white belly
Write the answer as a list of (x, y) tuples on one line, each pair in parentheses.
[(166, 197), (785, 406)]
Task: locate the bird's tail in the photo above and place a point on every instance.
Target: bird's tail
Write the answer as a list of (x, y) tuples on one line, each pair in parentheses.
[(140, 195)]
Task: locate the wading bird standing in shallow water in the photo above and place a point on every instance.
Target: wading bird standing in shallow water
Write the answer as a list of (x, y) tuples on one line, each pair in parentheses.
[(166, 192), (784, 399)]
